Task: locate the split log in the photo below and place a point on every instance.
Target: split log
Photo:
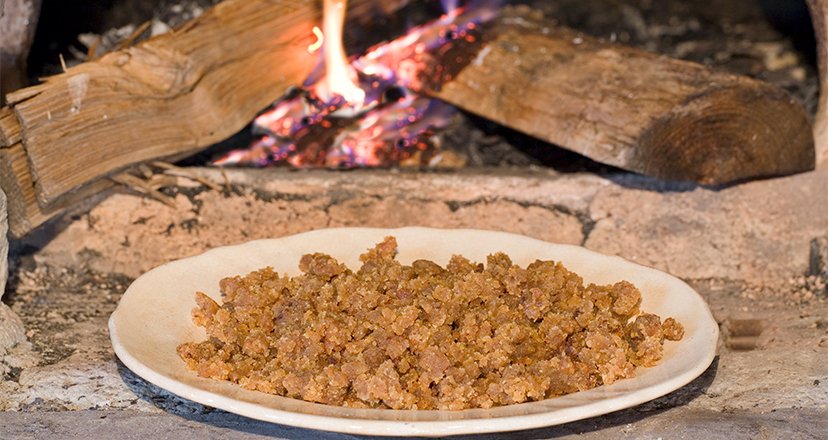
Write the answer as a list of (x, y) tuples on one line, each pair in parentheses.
[(629, 108), (172, 94), (819, 17), (166, 97)]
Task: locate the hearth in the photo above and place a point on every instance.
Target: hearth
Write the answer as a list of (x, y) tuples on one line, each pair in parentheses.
[(674, 134), (507, 68)]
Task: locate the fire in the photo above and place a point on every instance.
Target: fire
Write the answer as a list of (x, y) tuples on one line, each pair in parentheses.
[(320, 39), (340, 76), (366, 112)]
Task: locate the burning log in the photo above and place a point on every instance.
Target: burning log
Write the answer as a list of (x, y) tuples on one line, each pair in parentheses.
[(169, 96), (689, 123), (630, 108)]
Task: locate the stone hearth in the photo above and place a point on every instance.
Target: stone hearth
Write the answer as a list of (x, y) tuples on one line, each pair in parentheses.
[(756, 252)]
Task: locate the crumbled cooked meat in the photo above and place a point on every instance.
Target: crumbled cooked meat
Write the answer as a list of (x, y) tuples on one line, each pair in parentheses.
[(423, 336), (673, 331)]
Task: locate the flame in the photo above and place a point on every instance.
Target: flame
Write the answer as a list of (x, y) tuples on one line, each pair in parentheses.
[(368, 111), (340, 77), (320, 39)]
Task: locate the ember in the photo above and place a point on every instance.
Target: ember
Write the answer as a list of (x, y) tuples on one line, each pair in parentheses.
[(365, 112)]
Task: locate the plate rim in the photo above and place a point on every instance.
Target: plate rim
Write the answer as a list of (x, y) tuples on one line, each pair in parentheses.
[(362, 426)]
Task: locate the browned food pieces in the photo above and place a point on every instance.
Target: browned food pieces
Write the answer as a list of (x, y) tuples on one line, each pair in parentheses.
[(421, 336)]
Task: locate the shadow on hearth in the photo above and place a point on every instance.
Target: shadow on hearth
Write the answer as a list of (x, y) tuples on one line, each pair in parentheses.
[(198, 413)]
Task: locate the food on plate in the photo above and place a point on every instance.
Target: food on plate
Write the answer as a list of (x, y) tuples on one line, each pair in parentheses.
[(423, 336)]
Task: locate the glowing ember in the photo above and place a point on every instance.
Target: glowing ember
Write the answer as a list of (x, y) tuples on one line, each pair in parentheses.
[(362, 113)]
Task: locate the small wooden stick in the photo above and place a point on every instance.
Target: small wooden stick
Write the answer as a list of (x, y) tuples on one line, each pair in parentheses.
[(145, 170), (227, 186), (92, 52), (160, 181), (182, 172), (134, 35), (141, 186)]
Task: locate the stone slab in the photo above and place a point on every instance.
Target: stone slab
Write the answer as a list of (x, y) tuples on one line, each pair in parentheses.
[(631, 424), (746, 249), (11, 328), (761, 232)]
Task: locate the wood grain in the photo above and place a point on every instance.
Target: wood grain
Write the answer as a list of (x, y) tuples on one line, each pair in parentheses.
[(24, 212), (9, 128), (633, 109)]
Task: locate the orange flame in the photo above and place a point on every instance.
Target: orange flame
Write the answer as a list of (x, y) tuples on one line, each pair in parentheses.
[(340, 76), (366, 111)]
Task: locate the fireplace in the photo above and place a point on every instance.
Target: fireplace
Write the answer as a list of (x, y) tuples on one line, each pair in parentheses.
[(674, 134)]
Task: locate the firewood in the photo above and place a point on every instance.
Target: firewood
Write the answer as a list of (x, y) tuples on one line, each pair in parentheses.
[(166, 97), (173, 94), (630, 108)]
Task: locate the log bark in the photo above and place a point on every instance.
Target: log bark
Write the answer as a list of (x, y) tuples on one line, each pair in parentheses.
[(169, 96), (819, 18), (632, 109)]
